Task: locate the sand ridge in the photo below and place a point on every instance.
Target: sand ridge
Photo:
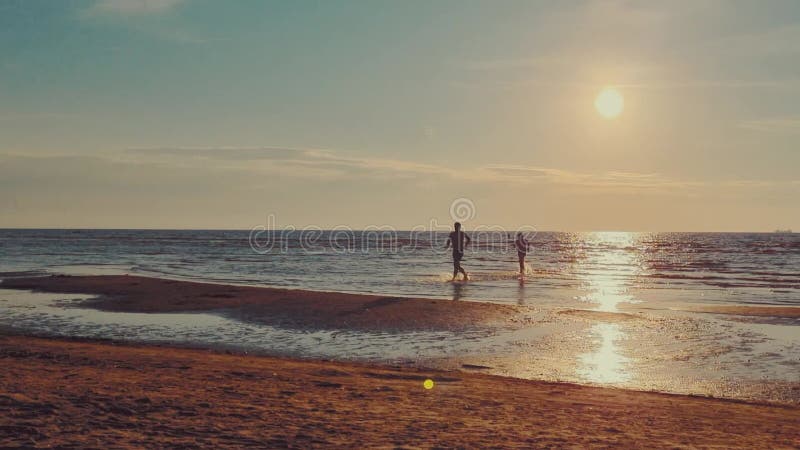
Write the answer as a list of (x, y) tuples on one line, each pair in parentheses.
[(753, 311), (280, 307)]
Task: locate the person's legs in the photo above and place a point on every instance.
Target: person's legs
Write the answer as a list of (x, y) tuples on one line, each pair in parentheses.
[(457, 266), (461, 269), (521, 257)]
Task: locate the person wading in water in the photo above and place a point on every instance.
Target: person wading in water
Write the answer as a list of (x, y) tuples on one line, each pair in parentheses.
[(458, 240), (522, 246)]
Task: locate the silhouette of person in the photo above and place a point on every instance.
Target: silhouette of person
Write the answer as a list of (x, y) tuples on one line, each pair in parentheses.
[(458, 240), (522, 246)]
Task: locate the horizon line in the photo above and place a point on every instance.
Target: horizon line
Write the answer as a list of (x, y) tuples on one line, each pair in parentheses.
[(775, 231)]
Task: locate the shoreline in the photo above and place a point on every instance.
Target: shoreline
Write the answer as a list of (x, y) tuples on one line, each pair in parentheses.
[(134, 293), (779, 311), (73, 392), (290, 308), (451, 371), (590, 347)]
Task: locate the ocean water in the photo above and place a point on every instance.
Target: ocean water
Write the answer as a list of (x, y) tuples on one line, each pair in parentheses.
[(565, 332), (603, 269)]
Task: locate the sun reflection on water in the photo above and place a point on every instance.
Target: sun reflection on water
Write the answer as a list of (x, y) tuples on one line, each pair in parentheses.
[(608, 271), (606, 364)]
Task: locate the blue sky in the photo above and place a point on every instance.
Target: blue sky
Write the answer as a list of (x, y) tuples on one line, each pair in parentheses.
[(207, 114)]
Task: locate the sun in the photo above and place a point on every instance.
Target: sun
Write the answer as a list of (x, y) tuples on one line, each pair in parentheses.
[(609, 103)]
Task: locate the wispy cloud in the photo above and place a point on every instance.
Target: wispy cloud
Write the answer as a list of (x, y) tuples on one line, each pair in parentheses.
[(576, 67), (9, 117), (232, 153), (789, 124), (502, 64), (609, 179), (314, 163), (721, 83), (300, 161), (634, 78), (239, 169), (781, 40), (125, 13), (131, 7)]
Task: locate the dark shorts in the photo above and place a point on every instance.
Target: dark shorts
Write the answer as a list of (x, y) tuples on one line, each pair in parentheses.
[(457, 256), (521, 255)]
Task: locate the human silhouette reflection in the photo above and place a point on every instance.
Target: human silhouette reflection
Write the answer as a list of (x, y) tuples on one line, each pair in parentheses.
[(458, 291), (521, 291)]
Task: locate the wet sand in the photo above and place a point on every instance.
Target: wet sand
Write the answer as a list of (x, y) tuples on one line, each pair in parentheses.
[(271, 306), (753, 311), (602, 316), (78, 393)]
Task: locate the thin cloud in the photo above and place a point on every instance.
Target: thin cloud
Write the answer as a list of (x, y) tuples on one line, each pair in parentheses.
[(781, 41), (119, 10), (703, 84), (790, 124), (131, 7), (523, 172), (513, 63), (232, 153), (788, 84), (609, 179), (317, 163), (301, 160), (35, 116)]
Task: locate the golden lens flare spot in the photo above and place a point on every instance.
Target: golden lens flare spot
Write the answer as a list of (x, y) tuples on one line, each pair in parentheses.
[(609, 103), (428, 384)]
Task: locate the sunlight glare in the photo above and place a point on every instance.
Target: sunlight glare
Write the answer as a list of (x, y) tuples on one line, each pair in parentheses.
[(609, 103)]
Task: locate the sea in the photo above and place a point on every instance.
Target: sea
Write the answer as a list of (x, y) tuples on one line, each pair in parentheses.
[(716, 268), (622, 309)]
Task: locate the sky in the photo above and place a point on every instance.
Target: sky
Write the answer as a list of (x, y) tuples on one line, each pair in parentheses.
[(205, 114)]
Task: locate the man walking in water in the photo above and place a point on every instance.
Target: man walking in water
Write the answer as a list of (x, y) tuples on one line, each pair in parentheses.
[(459, 240), (522, 246)]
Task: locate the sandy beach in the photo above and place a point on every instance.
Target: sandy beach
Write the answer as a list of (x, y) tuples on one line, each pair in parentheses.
[(745, 354), (91, 394), (83, 392)]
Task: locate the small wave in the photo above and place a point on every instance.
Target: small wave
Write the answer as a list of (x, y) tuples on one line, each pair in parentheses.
[(487, 276), (22, 273)]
